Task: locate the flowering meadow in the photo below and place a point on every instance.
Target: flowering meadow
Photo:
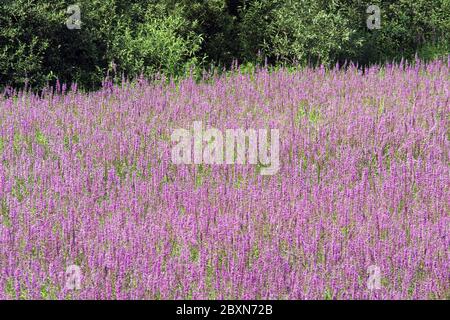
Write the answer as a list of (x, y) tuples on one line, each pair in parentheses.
[(86, 179)]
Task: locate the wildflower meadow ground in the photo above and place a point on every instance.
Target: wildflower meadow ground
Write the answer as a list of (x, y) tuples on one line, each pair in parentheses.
[(88, 188)]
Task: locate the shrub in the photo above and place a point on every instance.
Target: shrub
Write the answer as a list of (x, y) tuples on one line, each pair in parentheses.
[(156, 44), (22, 53)]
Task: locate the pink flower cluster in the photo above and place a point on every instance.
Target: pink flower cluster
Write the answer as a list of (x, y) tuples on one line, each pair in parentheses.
[(86, 179)]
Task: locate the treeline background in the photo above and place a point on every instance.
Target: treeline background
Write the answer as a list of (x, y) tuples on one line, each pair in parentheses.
[(133, 37)]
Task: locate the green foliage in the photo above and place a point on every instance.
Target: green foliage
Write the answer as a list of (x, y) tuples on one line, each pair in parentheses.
[(216, 21), (434, 51), (37, 47), (156, 44), (311, 31), (406, 27), (296, 31), (22, 53), (329, 31), (134, 37)]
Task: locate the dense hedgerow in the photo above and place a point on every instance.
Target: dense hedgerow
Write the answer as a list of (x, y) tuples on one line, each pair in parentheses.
[(87, 179), (130, 37)]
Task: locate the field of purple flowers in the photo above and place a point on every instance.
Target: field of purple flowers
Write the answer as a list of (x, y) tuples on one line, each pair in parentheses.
[(87, 179)]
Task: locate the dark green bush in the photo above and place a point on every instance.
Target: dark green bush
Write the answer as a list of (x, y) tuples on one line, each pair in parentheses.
[(26, 30), (327, 31), (36, 46)]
